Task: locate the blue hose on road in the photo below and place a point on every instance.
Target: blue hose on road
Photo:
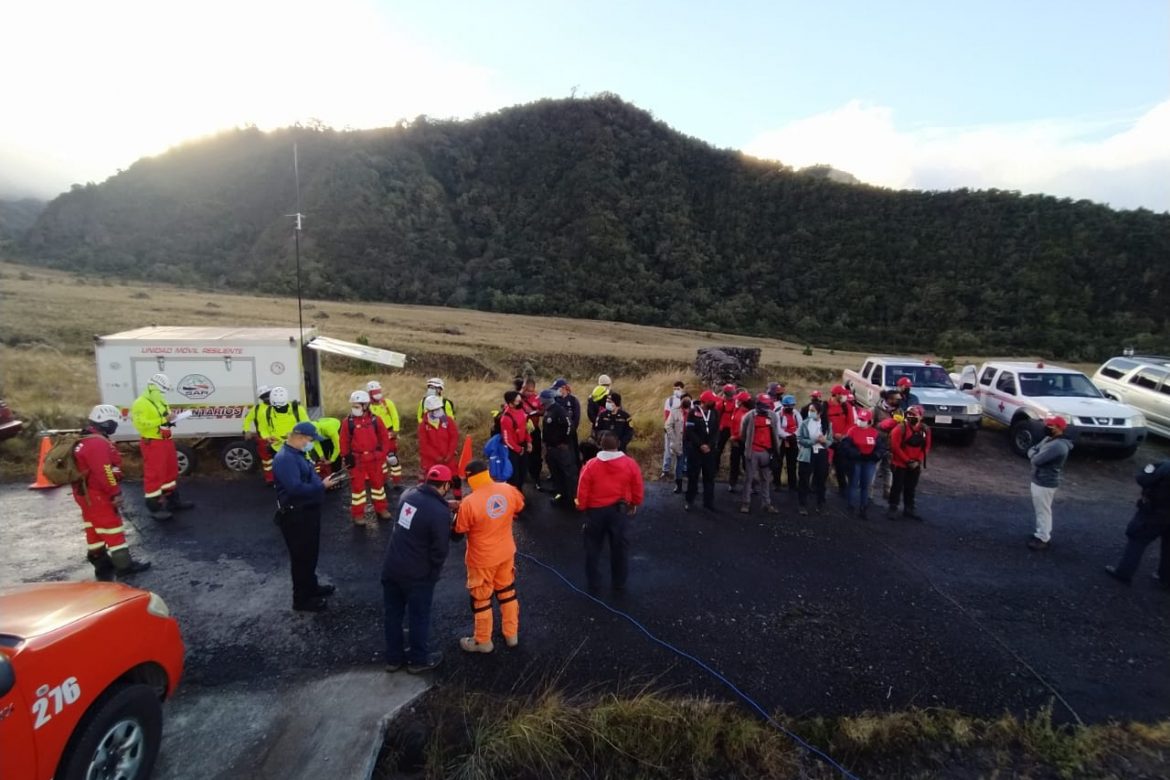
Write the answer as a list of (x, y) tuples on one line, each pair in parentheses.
[(730, 685)]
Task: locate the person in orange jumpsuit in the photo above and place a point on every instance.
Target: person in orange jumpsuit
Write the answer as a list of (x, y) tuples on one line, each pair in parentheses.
[(486, 518), (364, 444), (99, 494), (438, 441)]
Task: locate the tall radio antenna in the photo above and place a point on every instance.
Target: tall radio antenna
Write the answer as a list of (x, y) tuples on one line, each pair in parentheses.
[(297, 242)]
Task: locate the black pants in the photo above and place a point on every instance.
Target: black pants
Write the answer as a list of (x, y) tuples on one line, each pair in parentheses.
[(787, 463), (705, 465), (606, 523), (724, 437), (813, 476), (535, 464), (562, 467), (737, 463), (1142, 531), (301, 528), (841, 468), (905, 487), (519, 468), (575, 448)]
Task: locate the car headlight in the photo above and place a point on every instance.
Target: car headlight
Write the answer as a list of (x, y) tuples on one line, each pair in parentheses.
[(157, 607), (1137, 421), (974, 409)]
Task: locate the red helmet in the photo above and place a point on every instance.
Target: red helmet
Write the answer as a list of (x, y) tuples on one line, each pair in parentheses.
[(864, 415), (729, 388), (708, 397), (815, 394), (1055, 421), (764, 398), (838, 390), (917, 411), (742, 396), (905, 381)]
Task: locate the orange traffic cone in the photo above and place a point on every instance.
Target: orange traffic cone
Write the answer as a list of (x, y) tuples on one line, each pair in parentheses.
[(42, 483), (465, 457)]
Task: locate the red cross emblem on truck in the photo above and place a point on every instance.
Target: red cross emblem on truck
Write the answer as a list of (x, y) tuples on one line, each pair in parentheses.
[(1001, 406)]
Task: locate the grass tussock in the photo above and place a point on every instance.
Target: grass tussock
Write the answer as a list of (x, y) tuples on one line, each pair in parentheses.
[(476, 736)]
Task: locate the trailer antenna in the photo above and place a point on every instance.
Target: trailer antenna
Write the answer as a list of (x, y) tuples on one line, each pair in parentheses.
[(297, 242)]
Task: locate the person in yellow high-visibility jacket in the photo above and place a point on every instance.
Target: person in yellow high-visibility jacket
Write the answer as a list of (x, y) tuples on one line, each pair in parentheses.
[(252, 431), (327, 452), (152, 417), (385, 410), (277, 421), (435, 386)]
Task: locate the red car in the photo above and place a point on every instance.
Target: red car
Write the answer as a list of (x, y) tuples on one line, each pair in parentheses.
[(9, 425), (84, 669)]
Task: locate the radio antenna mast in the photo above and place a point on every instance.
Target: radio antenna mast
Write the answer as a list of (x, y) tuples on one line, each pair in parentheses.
[(297, 242)]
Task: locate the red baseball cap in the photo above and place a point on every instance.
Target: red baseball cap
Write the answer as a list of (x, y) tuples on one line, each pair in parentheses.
[(815, 394), (708, 397), (865, 415), (905, 381), (439, 473), (764, 398), (729, 388), (838, 390), (1055, 421)]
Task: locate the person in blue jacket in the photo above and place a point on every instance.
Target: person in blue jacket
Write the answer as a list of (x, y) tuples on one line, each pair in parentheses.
[(414, 560), (299, 492)]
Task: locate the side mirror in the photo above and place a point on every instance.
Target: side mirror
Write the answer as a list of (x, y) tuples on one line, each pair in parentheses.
[(967, 386), (7, 675)]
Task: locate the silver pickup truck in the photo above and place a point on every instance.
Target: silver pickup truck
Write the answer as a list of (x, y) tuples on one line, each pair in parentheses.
[(946, 407)]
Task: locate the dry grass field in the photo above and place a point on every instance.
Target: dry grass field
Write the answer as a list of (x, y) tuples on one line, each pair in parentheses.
[(48, 320)]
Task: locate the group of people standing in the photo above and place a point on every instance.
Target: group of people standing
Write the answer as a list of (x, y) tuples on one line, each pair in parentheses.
[(770, 439)]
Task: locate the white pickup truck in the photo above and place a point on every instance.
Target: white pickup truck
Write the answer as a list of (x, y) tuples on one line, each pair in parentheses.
[(1021, 395), (946, 407)]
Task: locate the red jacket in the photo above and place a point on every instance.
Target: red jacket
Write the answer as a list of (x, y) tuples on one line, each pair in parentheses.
[(864, 439), (101, 465), (736, 423), (726, 407), (839, 414), (437, 444), (902, 447), (365, 438), (533, 408), (607, 479), (514, 428)]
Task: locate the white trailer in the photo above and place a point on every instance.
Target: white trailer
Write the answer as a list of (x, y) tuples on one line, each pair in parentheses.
[(216, 372)]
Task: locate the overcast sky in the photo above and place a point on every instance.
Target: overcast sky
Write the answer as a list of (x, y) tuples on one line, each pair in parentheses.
[(1067, 97)]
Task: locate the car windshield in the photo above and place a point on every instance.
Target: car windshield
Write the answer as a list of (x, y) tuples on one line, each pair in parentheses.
[(1036, 384), (921, 376)]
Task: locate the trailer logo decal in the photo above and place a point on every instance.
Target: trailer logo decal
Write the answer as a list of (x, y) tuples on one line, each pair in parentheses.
[(196, 386), (277, 368)]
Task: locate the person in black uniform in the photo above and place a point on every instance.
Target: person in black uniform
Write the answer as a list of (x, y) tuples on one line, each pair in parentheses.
[(614, 418), (702, 449), (559, 450), (299, 492), (1150, 522), (565, 397)]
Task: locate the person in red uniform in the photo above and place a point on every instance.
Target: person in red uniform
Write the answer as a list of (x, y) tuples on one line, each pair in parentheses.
[(99, 494), (861, 448), (743, 405), (909, 446), (726, 406), (514, 432), (530, 401), (759, 430), (839, 413), (364, 445), (609, 492), (438, 441)]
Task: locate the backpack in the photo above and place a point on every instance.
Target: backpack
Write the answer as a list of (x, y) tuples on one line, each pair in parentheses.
[(499, 464), (60, 467)]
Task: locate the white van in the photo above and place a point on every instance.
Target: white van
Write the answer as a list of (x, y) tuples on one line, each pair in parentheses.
[(1143, 382)]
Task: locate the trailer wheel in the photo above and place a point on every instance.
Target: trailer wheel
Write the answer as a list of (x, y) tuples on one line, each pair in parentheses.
[(238, 455), (187, 459)]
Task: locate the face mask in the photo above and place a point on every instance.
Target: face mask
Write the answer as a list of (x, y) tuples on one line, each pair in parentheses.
[(912, 420), (356, 411), (863, 423), (108, 427), (307, 446), (281, 409), (678, 392), (812, 414), (686, 407), (1050, 432), (609, 406), (437, 414), (432, 391)]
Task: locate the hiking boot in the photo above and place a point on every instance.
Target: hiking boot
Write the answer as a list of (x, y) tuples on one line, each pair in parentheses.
[(326, 590), (156, 509), (803, 511), (820, 509), (687, 506), (468, 645), (135, 567), (1036, 545), (892, 512), (175, 502), (432, 663), (392, 668), (771, 509), (512, 641), (910, 514), (314, 604), (103, 567), (1112, 572), (678, 488), (383, 516), (745, 509)]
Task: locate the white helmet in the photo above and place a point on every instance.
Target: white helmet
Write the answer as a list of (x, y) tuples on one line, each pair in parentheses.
[(359, 397), (278, 396), (162, 382), (433, 403), (262, 389), (435, 382), (373, 385), (104, 413), (604, 380)]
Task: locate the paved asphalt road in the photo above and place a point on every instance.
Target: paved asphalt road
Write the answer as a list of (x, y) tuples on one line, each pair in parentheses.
[(808, 615)]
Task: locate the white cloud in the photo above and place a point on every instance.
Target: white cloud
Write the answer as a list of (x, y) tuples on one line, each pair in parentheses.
[(91, 87), (1125, 162)]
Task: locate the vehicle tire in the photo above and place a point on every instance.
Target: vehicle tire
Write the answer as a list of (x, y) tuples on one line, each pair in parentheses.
[(187, 459), (239, 456), (966, 438), (1022, 436), (122, 731)]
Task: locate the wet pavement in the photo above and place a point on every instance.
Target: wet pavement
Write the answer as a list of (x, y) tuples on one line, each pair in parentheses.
[(808, 615)]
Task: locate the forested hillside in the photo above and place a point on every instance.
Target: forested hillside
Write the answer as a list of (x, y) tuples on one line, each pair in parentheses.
[(592, 208), (16, 217)]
